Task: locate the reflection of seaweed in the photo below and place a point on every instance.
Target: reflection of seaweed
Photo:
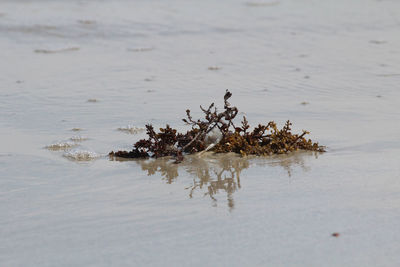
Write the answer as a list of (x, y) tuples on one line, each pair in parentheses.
[(295, 159), (215, 173), (164, 166), (226, 168), (168, 170)]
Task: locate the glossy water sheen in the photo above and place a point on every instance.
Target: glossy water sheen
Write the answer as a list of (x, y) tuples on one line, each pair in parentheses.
[(80, 78)]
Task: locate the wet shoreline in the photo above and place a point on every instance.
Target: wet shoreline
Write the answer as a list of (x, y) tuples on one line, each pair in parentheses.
[(82, 78)]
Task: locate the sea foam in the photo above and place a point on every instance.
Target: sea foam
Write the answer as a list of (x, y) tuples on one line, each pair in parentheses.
[(62, 145), (81, 155)]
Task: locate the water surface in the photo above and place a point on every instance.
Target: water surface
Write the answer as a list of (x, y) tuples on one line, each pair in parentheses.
[(81, 78)]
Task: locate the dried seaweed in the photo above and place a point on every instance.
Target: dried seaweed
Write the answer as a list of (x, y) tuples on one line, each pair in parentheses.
[(262, 140)]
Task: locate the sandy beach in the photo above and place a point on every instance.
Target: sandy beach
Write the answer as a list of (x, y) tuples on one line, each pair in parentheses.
[(80, 78)]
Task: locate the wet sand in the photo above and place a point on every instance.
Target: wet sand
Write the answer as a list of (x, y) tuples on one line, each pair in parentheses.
[(81, 78)]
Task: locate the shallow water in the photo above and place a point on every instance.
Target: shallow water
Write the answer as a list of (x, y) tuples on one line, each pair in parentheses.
[(90, 74)]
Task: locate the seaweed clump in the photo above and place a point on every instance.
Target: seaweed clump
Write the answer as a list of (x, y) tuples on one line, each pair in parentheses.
[(217, 132)]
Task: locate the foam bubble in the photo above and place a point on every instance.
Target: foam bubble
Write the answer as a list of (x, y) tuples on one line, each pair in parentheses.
[(78, 138), (131, 129), (81, 155), (61, 145)]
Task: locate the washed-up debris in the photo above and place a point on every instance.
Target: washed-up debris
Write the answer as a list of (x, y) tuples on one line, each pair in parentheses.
[(53, 51), (214, 68), (262, 140)]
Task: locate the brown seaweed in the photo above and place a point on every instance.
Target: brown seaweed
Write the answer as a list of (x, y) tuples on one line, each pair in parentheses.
[(262, 140)]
